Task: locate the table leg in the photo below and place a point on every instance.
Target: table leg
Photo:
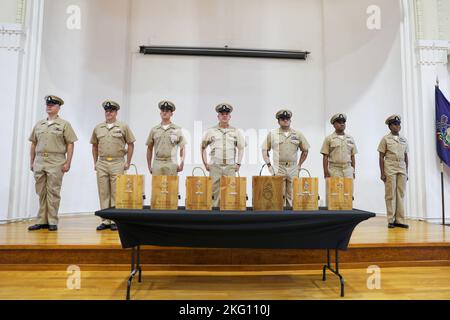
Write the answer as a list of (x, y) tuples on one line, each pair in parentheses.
[(135, 267), (328, 265), (335, 271), (139, 263)]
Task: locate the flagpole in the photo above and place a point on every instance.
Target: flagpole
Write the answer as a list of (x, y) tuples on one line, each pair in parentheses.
[(442, 193), (442, 177)]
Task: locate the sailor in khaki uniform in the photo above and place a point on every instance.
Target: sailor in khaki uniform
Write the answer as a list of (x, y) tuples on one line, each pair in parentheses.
[(285, 143), (223, 141), (51, 140), (164, 141), (339, 150), (393, 151), (109, 141)]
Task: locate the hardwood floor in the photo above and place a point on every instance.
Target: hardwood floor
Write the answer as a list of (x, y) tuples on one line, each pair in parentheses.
[(415, 264), (80, 230), (98, 283)]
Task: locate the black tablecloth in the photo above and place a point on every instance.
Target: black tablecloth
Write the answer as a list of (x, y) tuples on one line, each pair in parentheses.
[(214, 229)]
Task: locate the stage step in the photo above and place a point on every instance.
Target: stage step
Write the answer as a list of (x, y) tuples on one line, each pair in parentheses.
[(358, 256)]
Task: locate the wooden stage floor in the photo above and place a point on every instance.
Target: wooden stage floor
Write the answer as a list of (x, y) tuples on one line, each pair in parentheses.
[(80, 230), (77, 242)]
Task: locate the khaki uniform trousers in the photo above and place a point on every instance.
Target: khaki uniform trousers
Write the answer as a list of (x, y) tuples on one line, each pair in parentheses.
[(107, 173), (341, 171), (164, 168), (289, 172), (394, 195), (216, 171), (48, 176)]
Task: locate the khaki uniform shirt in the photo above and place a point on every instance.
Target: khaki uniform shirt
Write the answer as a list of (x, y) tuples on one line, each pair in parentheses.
[(111, 142), (394, 149), (166, 141), (52, 138), (285, 148), (223, 143), (339, 149)]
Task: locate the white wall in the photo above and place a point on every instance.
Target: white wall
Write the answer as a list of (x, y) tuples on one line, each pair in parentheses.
[(444, 17), (257, 88), (350, 70), (363, 80), (84, 67), (8, 11)]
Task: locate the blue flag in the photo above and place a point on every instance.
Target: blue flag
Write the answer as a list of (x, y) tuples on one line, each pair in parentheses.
[(442, 127)]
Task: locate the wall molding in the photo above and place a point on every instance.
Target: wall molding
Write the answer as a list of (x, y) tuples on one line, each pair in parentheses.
[(433, 52), (423, 21), (411, 104), (11, 37), (21, 10), (418, 17)]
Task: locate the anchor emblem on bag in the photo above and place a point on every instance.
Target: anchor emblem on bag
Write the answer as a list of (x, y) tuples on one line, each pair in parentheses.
[(129, 187)]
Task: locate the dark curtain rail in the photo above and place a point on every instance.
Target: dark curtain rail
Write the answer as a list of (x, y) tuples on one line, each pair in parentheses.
[(225, 52)]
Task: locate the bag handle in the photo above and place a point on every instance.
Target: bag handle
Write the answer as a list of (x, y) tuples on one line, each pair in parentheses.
[(238, 174), (193, 170), (260, 172), (135, 168), (303, 169)]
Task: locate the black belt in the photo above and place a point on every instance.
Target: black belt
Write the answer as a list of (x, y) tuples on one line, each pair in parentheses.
[(284, 163)]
